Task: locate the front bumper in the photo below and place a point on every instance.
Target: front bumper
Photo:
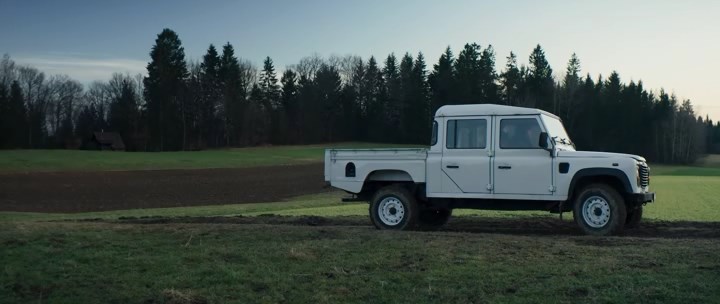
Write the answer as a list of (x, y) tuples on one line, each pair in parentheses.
[(641, 198)]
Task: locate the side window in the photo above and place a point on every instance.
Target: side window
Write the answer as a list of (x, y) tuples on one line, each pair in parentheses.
[(466, 134), (433, 138), (519, 133)]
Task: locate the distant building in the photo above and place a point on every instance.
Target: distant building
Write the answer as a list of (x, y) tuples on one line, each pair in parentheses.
[(110, 141)]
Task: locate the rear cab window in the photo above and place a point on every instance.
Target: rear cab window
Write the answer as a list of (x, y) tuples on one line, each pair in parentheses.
[(466, 134)]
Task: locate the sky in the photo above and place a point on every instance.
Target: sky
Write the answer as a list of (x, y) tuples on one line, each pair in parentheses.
[(667, 44)]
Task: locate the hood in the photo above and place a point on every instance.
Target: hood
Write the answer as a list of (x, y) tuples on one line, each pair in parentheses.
[(590, 154)]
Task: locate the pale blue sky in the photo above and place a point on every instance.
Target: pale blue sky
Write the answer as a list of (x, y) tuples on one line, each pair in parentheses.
[(670, 44)]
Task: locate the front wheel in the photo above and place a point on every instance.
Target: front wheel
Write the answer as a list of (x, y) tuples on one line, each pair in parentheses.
[(599, 210), (394, 208)]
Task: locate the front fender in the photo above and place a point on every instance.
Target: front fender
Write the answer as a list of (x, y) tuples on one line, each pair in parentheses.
[(590, 172)]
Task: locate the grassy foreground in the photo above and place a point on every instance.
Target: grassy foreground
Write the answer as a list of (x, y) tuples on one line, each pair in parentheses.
[(234, 262), (190, 263), (78, 160)]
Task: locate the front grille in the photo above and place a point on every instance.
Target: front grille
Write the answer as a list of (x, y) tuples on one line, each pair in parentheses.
[(644, 171)]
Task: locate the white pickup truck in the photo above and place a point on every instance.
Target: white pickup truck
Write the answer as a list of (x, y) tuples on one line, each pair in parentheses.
[(493, 157)]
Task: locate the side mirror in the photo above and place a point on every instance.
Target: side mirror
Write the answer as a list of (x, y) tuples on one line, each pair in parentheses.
[(544, 141)]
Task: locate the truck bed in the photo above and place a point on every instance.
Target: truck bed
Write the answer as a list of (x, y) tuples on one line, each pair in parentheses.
[(373, 164)]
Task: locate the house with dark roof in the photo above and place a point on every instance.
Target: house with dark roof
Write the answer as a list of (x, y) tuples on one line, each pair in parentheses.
[(110, 141)]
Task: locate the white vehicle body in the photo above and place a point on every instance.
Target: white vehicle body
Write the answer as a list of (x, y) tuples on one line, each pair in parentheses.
[(480, 154)]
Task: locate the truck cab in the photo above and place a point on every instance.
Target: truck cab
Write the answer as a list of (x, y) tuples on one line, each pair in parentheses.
[(494, 157)]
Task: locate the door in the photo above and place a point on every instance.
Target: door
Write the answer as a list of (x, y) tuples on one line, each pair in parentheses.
[(520, 166), (466, 160)]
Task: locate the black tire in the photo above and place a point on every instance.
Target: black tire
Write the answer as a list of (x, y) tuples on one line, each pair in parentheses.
[(434, 219), (599, 210), (399, 212), (633, 218)]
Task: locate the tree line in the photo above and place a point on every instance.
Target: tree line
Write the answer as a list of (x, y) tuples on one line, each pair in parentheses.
[(223, 101)]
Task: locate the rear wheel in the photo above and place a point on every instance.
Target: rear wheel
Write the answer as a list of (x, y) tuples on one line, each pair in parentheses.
[(600, 210), (395, 208), (633, 218), (433, 219)]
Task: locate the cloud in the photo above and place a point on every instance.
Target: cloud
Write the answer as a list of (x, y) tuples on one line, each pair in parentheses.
[(83, 69)]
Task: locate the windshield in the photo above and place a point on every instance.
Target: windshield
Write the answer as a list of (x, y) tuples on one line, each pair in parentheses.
[(557, 132)]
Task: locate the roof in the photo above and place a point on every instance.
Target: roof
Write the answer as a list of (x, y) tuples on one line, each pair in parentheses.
[(111, 139), (487, 109)]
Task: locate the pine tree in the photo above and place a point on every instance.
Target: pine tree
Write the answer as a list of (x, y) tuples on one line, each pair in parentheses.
[(271, 102), (290, 103), (540, 80), (329, 86), (309, 113), (489, 91), (268, 84), (236, 130), (5, 128), (17, 119), (572, 76), (392, 104), (442, 81), (582, 132), (167, 71), (210, 98), (511, 81), (406, 98), (357, 91), (350, 113), (610, 102), (568, 106), (373, 98), (193, 98), (256, 126), (468, 75), (420, 111)]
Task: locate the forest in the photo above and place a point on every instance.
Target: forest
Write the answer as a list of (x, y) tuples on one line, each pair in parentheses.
[(222, 101)]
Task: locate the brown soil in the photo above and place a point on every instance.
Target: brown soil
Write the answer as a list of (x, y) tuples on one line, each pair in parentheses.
[(103, 191)]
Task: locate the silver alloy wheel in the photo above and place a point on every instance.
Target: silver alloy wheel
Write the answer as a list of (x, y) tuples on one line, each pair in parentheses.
[(391, 211), (596, 212)]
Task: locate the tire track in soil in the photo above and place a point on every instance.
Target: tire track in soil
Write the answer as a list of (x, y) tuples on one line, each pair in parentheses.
[(530, 226)]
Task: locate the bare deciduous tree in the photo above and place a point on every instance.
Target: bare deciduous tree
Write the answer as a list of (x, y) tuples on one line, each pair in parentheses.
[(308, 66)]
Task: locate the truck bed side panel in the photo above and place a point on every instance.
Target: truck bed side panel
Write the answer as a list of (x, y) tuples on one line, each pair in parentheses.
[(369, 164)]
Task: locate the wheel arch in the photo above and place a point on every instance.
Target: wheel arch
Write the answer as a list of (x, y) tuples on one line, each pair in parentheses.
[(393, 175), (615, 178), (378, 179)]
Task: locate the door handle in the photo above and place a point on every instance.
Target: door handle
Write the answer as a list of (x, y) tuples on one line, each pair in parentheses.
[(452, 166), (505, 167)]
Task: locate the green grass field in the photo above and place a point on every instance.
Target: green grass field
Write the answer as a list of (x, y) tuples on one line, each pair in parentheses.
[(78, 160), (120, 258), (194, 263)]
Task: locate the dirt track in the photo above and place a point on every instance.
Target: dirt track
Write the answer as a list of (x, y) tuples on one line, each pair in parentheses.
[(539, 226), (102, 191)]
